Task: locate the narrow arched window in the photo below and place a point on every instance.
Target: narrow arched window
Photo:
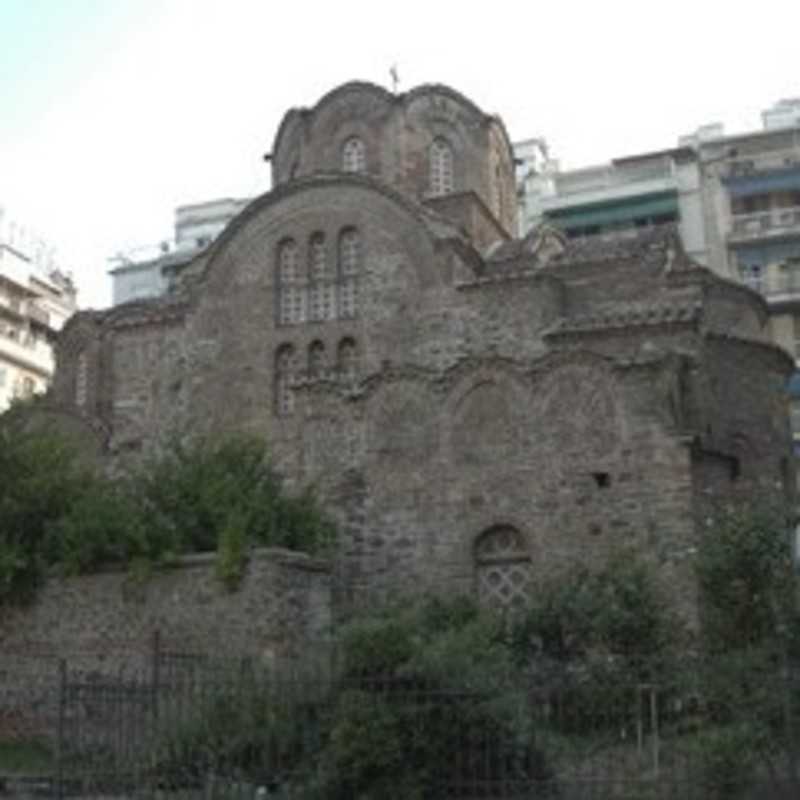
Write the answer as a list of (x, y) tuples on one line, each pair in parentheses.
[(349, 270), (503, 569), (441, 168), (322, 292), (285, 367), (81, 379), (291, 285), (354, 158), (316, 359), (347, 359)]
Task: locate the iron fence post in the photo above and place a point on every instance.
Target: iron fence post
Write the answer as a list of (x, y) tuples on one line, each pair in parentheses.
[(155, 672), (61, 727)]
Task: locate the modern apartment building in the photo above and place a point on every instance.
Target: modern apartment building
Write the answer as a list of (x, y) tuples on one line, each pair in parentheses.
[(150, 271), (36, 299), (735, 200), (626, 194)]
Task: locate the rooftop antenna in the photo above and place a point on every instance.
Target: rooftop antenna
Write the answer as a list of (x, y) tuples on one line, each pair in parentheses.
[(395, 77)]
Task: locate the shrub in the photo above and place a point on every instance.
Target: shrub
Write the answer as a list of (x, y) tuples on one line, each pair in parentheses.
[(221, 495), (42, 480), (601, 623)]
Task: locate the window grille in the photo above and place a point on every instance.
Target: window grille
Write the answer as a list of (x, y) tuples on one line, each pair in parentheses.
[(349, 268), (441, 168), (323, 293), (291, 288), (284, 375), (354, 155), (503, 568)]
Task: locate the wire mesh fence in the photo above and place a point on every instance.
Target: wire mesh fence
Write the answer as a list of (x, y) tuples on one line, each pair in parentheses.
[(188, 725)]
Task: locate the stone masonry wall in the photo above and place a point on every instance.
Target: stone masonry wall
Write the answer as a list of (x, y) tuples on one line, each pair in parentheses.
[(107, 621)]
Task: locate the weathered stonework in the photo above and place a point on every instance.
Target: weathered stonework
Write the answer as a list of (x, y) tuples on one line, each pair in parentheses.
[(582, 394), (106, 621)]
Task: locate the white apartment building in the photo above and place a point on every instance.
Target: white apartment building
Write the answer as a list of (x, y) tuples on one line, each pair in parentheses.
[(151, 271), (735, 200), (36, 299), (627, 193)]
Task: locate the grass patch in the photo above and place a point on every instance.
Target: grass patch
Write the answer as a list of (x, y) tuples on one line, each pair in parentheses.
[(25, 757)]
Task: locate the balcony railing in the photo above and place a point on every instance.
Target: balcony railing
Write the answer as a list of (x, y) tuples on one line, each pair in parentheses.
[(785, 286), (39, 315), (609, 176), (32, 354), (765, 224)]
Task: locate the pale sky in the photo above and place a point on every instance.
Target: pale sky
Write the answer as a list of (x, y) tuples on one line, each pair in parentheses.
[(113, 112)]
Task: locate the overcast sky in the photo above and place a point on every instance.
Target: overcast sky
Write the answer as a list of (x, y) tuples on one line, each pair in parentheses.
[(113, 112)]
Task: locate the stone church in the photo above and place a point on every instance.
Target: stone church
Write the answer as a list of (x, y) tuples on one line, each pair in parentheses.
[(478, 410)]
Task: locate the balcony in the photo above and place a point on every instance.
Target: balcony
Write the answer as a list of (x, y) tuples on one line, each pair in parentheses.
[(32, 354), (655, 175), (776, 288), (38, 315), (775, 223)]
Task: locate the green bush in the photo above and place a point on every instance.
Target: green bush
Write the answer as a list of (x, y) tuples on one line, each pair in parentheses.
[(745, 578), (217, 495), (601, 624), (42, 479), (432, 703)]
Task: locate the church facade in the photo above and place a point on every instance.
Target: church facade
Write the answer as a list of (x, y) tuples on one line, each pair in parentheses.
[(477, 410)]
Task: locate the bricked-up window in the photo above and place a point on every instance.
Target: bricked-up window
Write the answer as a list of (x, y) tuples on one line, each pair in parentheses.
[(503, 568), (354, 156), (291, 285), (347, 359), (441, 168), (316, 359), (285, 369), (322, 292), (81, 379), (349, 269)]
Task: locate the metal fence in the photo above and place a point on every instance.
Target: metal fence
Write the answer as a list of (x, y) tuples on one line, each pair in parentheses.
[(183, 725)]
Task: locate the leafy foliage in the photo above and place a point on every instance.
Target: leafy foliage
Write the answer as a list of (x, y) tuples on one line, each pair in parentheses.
[(601, 621), (56, 511), (747, 639), (42, 479), (745, 579)]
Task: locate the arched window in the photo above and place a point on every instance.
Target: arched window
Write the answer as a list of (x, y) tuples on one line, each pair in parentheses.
[(322, 294), (503, 568), (285, 367), (81, 379), (349, 269), (354, 157), (316, 359), (347, 359), (441, 168), (291, 286)]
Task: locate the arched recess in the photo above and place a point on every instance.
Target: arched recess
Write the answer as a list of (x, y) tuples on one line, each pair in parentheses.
[(489, 419), (502, 568), (577, 415)]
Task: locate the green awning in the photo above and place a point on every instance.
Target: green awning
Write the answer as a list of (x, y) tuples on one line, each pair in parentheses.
[(616, 211)]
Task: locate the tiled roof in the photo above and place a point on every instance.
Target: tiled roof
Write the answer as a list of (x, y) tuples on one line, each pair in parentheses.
[(630, 315)]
